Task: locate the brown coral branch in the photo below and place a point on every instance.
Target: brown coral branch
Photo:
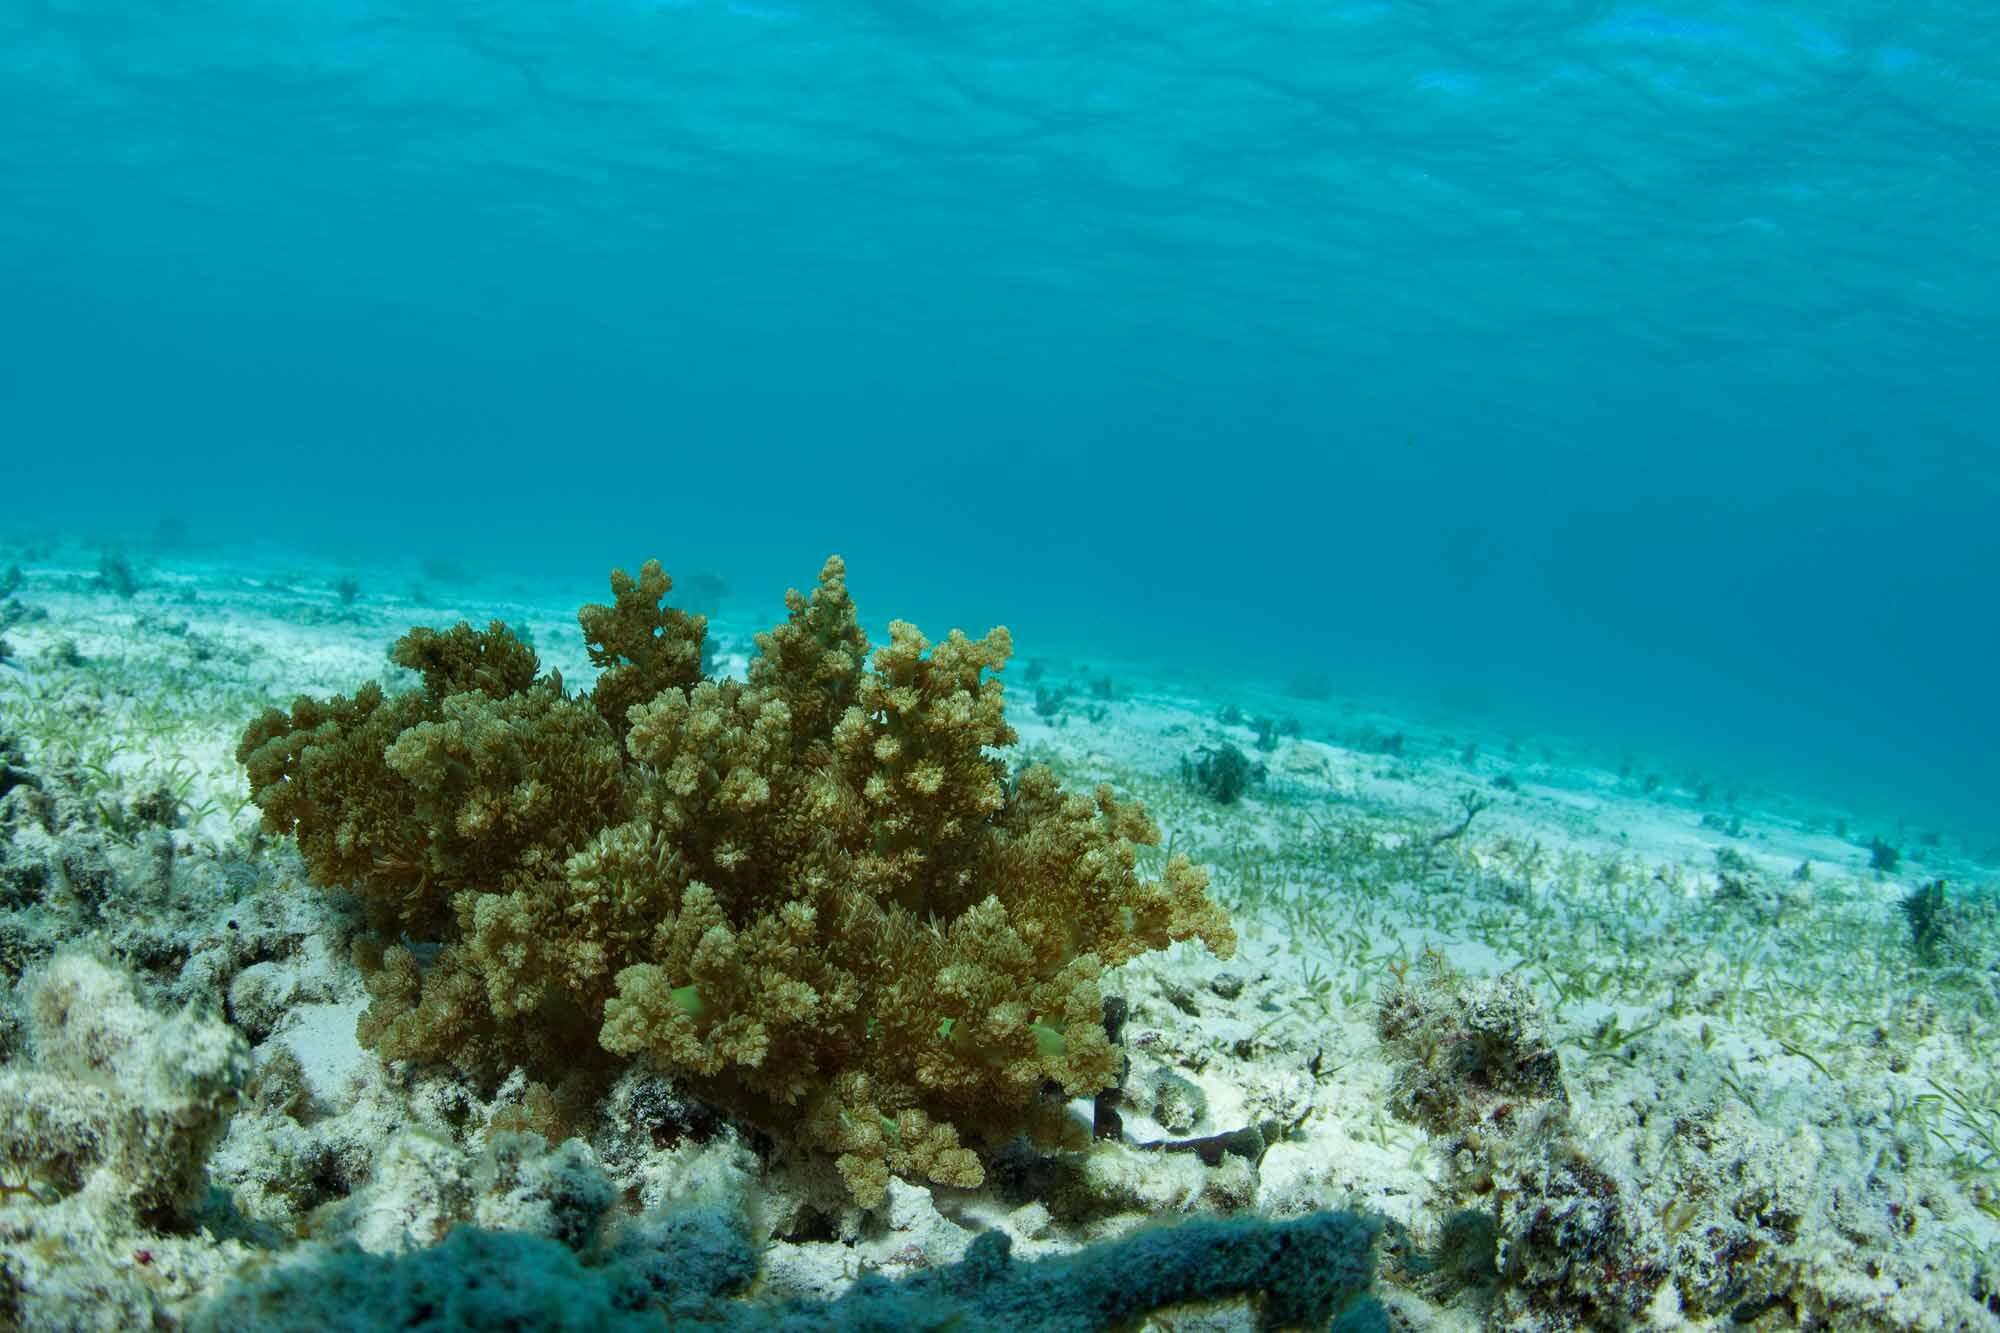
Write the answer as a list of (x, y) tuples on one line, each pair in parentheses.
[(814, 895)]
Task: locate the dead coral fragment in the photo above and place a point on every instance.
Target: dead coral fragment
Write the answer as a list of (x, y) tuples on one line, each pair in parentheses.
[(1465, 1049), (121, 1103), (816, 894)]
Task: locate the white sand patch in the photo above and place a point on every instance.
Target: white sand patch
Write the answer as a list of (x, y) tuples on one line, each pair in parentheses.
[(1691, 955)]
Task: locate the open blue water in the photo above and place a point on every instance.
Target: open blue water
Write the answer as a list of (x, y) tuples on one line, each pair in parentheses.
[(1628, 369)]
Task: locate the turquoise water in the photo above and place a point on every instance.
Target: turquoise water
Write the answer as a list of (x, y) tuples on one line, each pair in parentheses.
[(1625, 369)]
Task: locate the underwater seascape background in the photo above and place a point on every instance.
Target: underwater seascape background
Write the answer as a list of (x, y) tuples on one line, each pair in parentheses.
[(1622, 370)]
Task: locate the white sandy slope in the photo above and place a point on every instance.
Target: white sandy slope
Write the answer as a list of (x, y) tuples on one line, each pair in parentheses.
[(1677, 982)]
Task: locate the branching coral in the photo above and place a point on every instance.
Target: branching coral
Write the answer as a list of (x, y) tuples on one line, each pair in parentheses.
[(817, 895)]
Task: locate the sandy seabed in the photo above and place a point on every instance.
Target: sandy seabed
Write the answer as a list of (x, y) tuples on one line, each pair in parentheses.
[(1599, 1048)]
